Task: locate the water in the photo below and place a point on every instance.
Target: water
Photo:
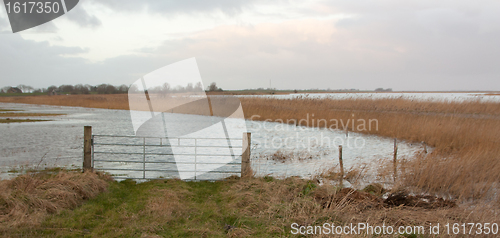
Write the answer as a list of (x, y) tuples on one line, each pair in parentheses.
[(312, 150), (455, 96)]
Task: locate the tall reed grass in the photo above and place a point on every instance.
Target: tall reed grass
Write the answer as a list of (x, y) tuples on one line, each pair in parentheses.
[(465, 135)]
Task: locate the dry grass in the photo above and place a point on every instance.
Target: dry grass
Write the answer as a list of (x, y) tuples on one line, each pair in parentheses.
[(466, 159), (283, 202), (8, 114), (8, 120), (27, 199), (112, 101)]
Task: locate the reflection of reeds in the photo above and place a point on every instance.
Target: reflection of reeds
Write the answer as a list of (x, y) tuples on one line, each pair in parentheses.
[(293, 155)]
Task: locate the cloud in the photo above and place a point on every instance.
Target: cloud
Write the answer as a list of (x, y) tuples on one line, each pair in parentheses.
[(80, 16), (230, 7), (364, 52)]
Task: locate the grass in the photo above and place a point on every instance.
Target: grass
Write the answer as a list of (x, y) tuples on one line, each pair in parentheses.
[(28, 199), (21, 94), (8, 110), (8, 120), (13, 114), (59, 203), (7, 115)]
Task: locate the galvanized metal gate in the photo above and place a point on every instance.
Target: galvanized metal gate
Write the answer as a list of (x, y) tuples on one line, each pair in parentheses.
[(132, 157)]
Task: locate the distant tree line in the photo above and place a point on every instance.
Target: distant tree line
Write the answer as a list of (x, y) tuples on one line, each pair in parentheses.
[(69, 89), (106, 89), (383, 90)]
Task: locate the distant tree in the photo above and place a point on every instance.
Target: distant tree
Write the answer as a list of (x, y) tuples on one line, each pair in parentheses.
[(123, 88), (101, 89), (198, 87), (110, 89), (14, 90), (164, 89), (67, 88), (189, 87), (133, 88), (1, 91), (25, 88), (80, 89), (179, 89), (52, 89), (383, 90), (89, 87), (212, 87)]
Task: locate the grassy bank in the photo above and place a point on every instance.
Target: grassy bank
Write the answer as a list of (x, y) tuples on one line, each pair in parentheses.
[(11, 116), (72, 204), (28, 199), (8, 120)]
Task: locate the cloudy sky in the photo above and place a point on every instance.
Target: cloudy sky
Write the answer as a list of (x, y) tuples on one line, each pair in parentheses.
[(363, 44)]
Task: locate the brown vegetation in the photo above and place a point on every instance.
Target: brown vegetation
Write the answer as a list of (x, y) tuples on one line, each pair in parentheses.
[(466, 136), (15, 114), (110, 101), (27, 199)]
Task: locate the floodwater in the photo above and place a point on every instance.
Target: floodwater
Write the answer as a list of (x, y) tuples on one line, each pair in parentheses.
[(424, 96), (60, 143)]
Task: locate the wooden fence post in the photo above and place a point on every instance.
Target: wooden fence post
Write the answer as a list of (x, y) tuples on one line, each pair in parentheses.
[(395, 158), (341, 179), (425, 147), (87, 149), (246, 170)]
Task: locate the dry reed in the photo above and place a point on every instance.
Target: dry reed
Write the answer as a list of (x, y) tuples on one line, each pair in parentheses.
[(466, 136), (27, 199)]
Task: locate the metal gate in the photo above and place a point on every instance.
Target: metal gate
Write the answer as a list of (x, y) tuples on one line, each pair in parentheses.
[(132, 157)]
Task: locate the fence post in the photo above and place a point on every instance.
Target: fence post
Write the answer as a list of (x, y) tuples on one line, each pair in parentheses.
[(87, 149), (395, 158), (425, 147), (246, 170), (347, 132), (341, 179)]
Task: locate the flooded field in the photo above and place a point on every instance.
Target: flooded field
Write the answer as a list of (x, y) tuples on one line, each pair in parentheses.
[(308, 151), (424, 96)]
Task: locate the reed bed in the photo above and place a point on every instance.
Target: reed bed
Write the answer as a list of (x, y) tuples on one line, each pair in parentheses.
[(465, 135)]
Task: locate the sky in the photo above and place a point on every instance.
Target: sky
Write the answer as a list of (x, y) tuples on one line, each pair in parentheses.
[(283, 44)]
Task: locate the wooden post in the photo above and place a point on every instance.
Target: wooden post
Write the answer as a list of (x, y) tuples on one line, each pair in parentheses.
[(425, 147), (341, 179), (395, 158), (246, 170), (87, 149), (347, 132)]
